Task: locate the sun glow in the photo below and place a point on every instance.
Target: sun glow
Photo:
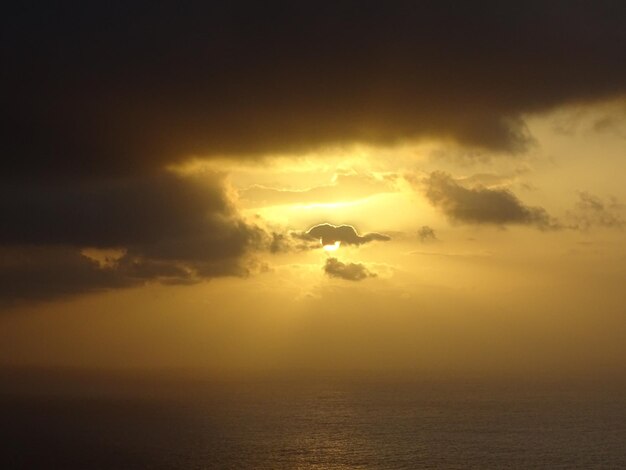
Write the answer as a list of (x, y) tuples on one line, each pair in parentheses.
[(333, 247)]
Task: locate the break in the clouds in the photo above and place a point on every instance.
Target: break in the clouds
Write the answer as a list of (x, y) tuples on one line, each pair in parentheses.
[(117, 88), (347, 271), (344, 187), (166, 228), (329, 234), (481, 205)]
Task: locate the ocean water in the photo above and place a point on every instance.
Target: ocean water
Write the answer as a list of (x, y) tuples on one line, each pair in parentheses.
[(315, 424)]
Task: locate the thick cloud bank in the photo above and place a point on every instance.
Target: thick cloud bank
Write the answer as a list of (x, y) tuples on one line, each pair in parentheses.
[(165, 227), (108, 88)]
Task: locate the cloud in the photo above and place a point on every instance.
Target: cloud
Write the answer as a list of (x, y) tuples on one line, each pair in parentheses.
[(112, 212), (163, 228), (93, 113), (328, 234), (481, 205), (242, 80), (426, 234), (318, 236), (592, 211), (285, 241), (347, 271), (38, 273)]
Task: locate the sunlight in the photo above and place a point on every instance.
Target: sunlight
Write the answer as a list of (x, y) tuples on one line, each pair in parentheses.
[(333, 247)]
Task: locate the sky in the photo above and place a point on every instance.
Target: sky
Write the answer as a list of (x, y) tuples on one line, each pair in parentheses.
[(236, 189)]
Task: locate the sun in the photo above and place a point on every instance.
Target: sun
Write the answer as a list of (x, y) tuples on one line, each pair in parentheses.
[(333, 247)]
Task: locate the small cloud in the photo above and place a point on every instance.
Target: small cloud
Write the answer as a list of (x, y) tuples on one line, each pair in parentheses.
[(481, 205), (592, 211), (279, 242), (347, 271), (426, 234), (614, 124)]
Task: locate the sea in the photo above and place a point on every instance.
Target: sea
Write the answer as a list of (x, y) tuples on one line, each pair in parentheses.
[(82, 421)]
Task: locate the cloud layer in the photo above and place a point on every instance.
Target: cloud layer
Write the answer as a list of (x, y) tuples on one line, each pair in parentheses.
[(98, 99), (96, 90)]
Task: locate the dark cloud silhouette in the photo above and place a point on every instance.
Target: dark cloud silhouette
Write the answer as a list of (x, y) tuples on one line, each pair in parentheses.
[(38, 273), (426, 234), (101, 88), (318, 236), (347, 271), (168, 228), (328, 234), (35, 273), (481, 205)]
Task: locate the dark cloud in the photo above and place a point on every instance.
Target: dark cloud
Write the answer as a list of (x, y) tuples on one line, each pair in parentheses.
[(481, 205), (96, 88), (38, 273), (328, 234), (138, 210), (347, 271), (35, 273), (318, 236), (167, 228), (426, 234)]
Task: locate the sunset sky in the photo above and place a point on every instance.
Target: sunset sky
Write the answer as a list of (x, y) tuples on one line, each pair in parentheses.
[(424, 189)]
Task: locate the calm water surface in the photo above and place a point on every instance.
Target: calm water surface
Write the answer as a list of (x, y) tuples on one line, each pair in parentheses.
[(314, 425)]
